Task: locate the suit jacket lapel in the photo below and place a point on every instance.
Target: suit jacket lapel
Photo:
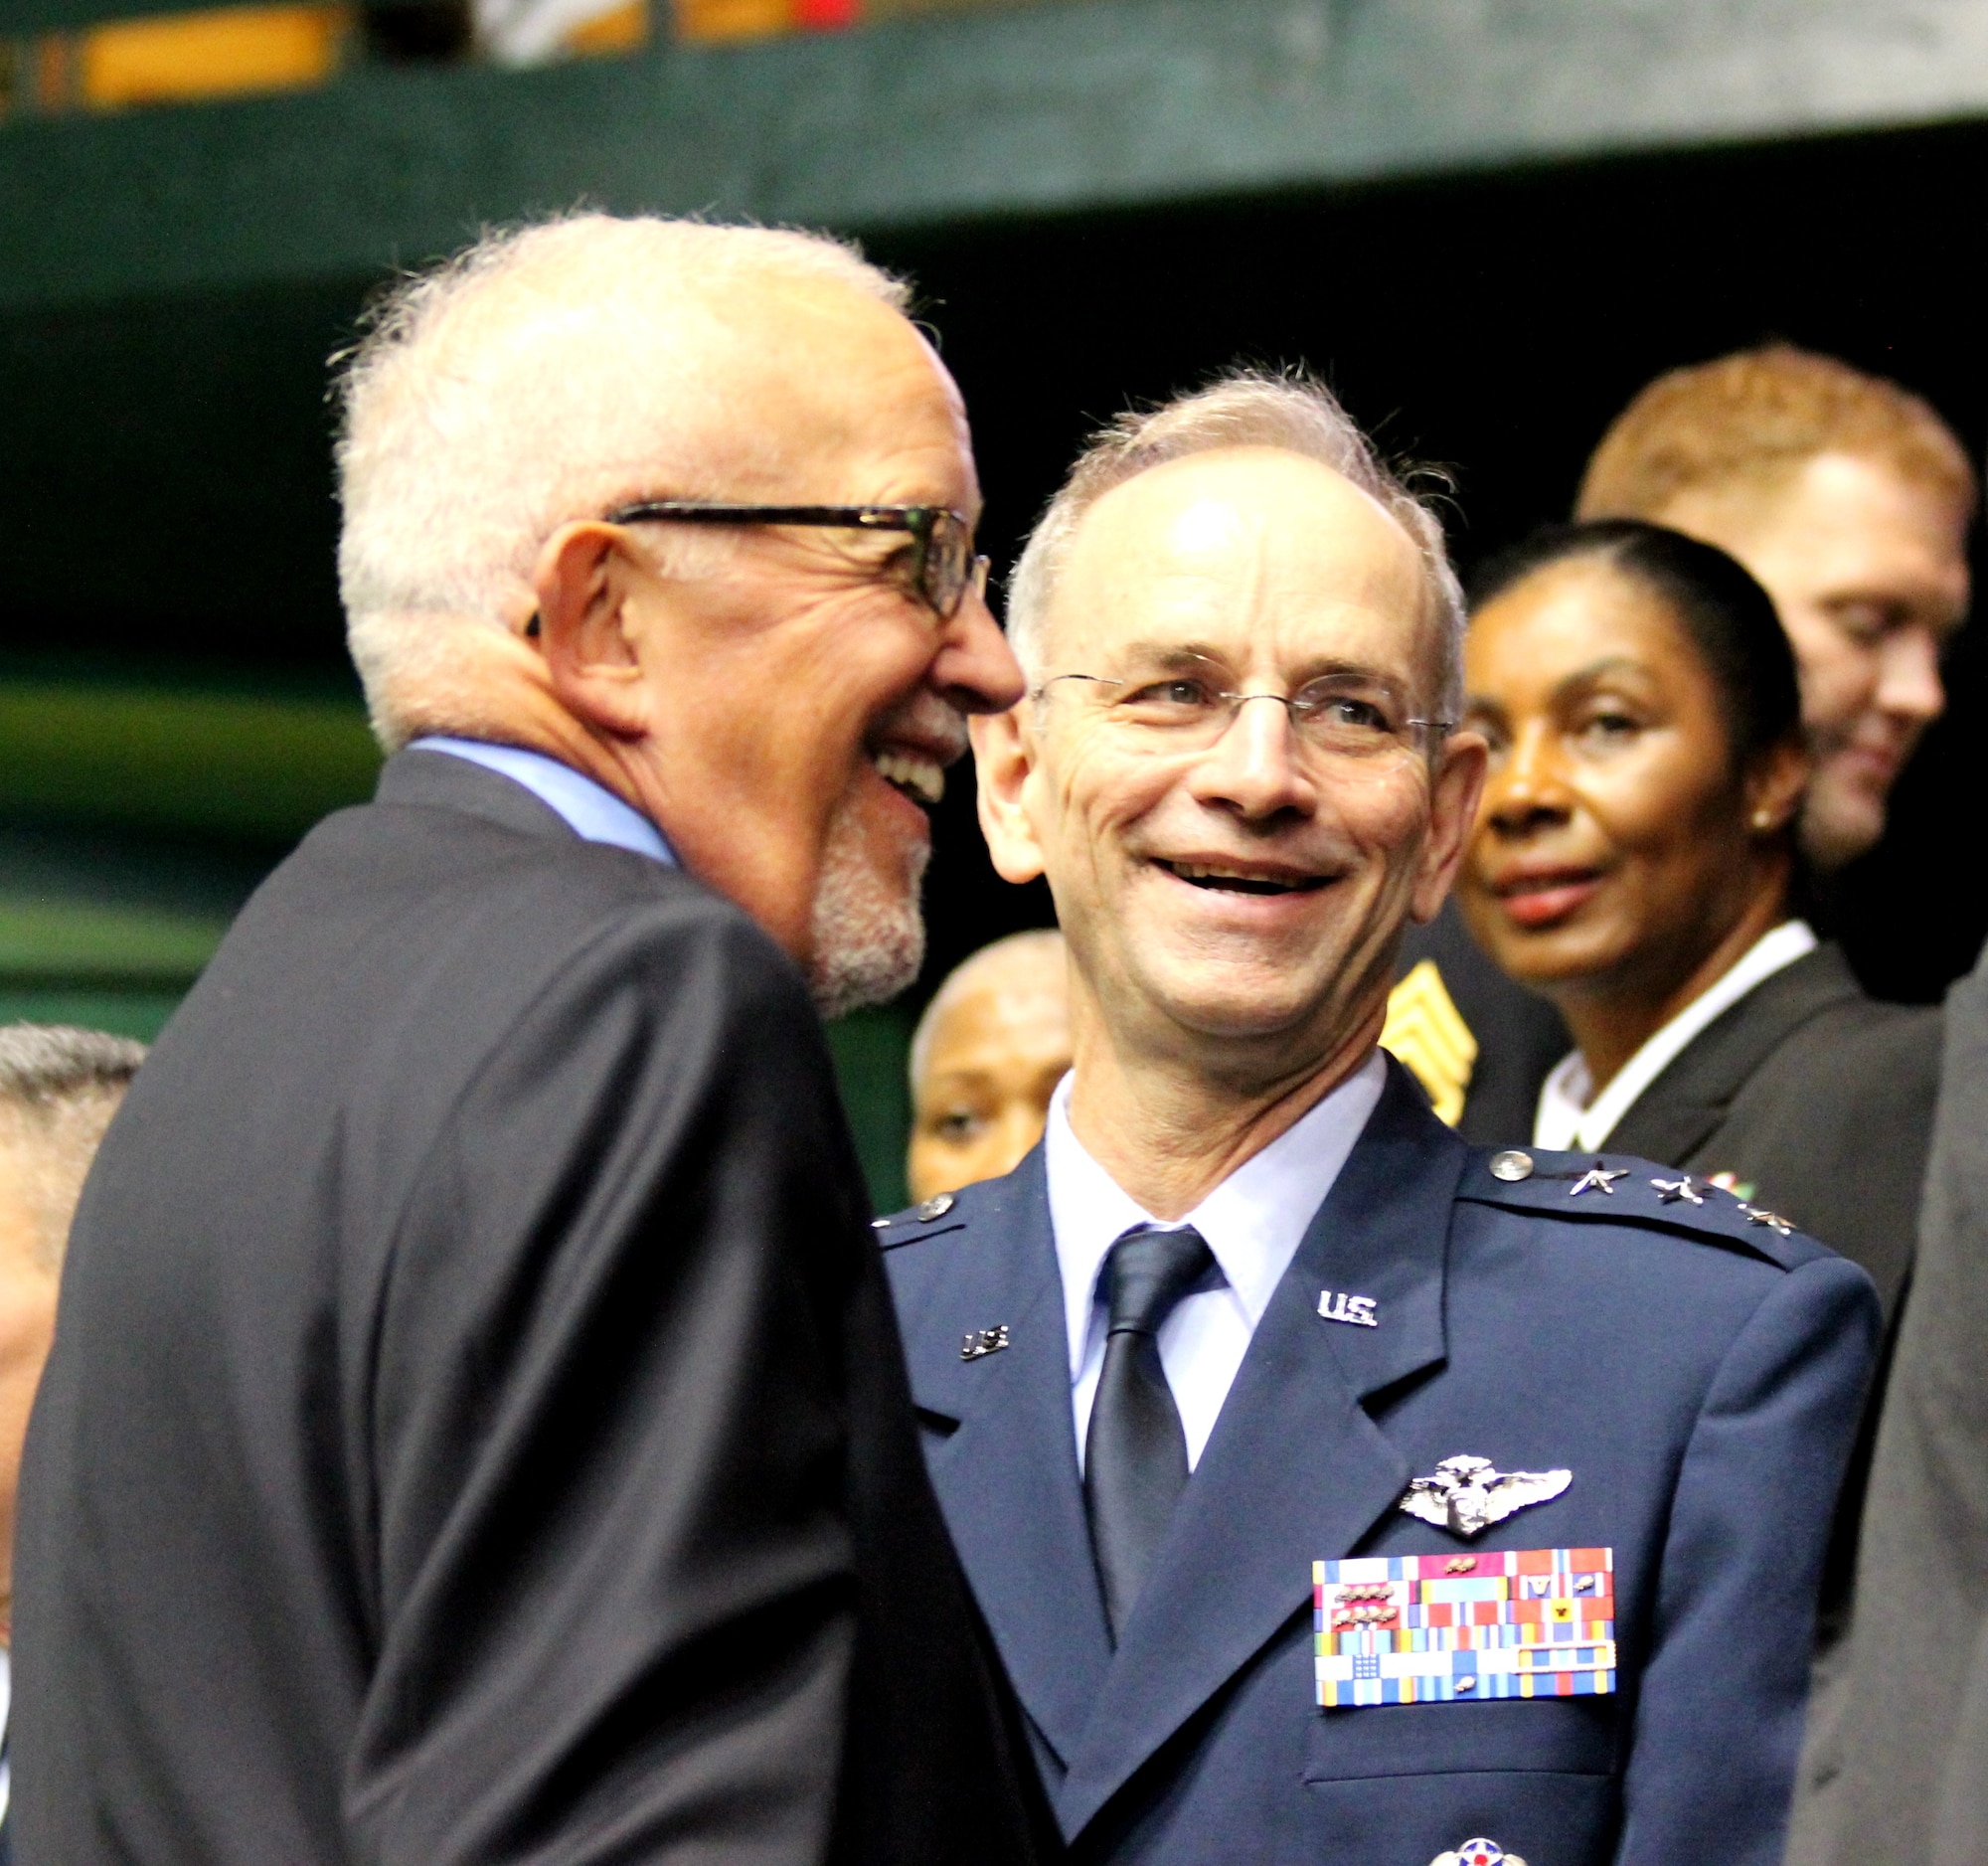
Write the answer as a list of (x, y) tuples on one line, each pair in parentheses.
[(1684, 1106), (1008, 1475), (1295, 1472)]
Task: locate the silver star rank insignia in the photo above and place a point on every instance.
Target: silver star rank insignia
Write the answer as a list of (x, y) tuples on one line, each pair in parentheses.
[(1772, 1220), (1597, 1178), (1672, 1190), (1466, 1495)]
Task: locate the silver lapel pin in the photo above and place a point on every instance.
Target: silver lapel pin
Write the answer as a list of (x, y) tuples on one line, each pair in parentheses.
[(1342, 1307), (983, 1341)]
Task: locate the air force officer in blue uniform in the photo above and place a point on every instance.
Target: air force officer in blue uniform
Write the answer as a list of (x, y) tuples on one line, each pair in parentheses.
[(1577, 1424)]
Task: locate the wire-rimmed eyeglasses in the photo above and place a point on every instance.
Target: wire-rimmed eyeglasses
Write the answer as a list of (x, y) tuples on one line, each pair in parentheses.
[(1182, 707), (943, 565)]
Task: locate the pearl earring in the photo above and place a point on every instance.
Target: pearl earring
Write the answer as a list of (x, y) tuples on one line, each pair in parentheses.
[(1764, 819)]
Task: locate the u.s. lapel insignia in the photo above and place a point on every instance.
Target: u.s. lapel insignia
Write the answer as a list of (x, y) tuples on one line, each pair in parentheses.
[(983, 1341), (1670, 1191), (1597, 1178), (1773, 1221), (1478, 1853), (1338, 1307), (1466, 1495)]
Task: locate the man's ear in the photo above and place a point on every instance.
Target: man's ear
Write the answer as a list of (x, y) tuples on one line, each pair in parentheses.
[(584, 580), (1454, 789), (1003, 756)]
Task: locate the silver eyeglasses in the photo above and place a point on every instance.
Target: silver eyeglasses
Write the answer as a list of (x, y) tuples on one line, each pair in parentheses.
[(1182, 706)]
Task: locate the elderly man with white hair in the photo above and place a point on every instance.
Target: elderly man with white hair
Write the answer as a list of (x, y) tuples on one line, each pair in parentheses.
[(476, 1430), (1333, 1490)]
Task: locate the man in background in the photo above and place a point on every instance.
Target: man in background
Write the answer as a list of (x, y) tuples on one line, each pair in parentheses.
[(986, 1057), (59, 1088), (1850, 500), (476, 1429)]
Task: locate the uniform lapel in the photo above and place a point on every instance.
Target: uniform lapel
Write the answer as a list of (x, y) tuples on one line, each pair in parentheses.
[(1295, 1472), (1007, 1476), (1688, 1100)]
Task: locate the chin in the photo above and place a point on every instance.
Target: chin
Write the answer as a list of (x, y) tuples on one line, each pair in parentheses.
[(869, 936), (1843, 819)]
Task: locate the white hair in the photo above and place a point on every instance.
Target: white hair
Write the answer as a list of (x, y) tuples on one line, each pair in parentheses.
[(545, 375), (1246, 409), (59, 1088)]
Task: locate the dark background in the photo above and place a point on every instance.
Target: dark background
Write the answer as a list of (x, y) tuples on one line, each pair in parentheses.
[(165, 475)]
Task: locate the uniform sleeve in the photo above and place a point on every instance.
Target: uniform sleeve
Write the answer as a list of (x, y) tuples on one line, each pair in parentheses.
[(613, 1606), (1719, 1722)]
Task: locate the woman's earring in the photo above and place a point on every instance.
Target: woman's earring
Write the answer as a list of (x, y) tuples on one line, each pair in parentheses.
[(1764, 819)]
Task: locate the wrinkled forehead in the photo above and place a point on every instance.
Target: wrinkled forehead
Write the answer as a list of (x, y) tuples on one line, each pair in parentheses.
[(1266, 562)]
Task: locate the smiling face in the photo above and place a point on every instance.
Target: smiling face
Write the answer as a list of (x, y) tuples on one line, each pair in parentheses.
[(1868, 571), (1239, 896), (799, 700), (1614, 846)]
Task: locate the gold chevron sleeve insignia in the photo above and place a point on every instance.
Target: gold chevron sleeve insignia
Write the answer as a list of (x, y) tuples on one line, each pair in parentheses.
[(1427, 1032)]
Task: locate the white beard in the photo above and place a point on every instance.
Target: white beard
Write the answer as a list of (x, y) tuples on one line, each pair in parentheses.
[(869, 935)]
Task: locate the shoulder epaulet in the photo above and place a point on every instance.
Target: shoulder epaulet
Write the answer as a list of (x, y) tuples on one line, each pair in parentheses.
[(1620, 1189), (919, 1222)]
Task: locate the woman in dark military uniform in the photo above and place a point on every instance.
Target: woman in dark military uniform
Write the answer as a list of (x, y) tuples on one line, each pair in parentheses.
[(1634, 861)]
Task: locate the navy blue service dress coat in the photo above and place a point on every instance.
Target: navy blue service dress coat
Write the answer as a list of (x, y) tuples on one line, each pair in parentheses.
[(1695, 1367)]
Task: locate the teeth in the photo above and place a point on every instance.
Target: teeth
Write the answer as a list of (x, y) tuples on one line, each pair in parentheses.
[(923, 778), (1198, 870)]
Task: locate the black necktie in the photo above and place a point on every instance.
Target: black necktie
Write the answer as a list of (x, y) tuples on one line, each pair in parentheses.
[(1135, 1453)]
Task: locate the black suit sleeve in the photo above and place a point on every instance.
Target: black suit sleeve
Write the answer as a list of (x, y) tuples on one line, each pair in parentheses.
[(613, 1606)]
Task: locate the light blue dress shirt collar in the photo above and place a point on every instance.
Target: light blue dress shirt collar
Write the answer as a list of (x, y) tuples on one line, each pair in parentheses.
[(591, 811)]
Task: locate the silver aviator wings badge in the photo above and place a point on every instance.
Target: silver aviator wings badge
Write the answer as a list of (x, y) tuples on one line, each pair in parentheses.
[(1466, 1495)]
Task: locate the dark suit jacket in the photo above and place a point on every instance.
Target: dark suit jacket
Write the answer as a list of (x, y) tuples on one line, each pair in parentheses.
[(1818, 1097), (477, 1430), (1698, 1373), (1899, 1772)]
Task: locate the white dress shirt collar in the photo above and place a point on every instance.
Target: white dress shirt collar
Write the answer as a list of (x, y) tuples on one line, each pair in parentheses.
[(1572, 1115), (591, 811), (1252, 1222)]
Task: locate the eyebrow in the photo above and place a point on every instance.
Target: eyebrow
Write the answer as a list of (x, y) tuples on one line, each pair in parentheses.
[(1172, 653), (1590, 675)]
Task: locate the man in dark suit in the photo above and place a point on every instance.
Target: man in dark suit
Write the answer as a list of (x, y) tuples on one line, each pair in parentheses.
[(1897, 1771), (477, 1429), (1336, 1491)]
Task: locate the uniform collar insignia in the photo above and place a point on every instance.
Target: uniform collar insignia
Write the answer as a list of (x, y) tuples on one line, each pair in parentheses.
[(1478, 1853), (1597, 1178), (1466, 1495)]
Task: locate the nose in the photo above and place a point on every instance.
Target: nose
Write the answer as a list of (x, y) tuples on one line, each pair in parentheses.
[(1909, 683), (1256, 767), (974, 667), (1525, 789)]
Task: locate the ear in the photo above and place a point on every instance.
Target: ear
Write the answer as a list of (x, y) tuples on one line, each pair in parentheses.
[(583, 581), (1004, 754), (1454, 789), (1774, 786)]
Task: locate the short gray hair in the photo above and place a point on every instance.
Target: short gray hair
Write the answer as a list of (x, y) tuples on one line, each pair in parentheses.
[(59, 1088), (534, 378), (1293, 410)]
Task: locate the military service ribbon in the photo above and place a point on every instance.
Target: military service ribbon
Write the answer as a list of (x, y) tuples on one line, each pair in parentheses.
[(1449, 1628)]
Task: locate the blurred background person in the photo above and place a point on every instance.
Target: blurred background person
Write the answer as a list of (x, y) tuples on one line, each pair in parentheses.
[(59, 1088), (986, 1057), (1634, 860), (1893, 1766), (1850, 501)]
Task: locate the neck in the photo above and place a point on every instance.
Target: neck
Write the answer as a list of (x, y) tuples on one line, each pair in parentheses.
[(1169, 1132), (1612, 1021)]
